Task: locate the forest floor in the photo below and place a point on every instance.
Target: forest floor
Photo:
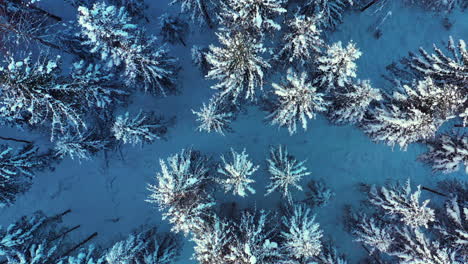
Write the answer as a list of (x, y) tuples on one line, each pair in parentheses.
[(108, 195)]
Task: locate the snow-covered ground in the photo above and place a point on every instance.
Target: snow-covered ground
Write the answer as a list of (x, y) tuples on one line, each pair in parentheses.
[(108, 196)]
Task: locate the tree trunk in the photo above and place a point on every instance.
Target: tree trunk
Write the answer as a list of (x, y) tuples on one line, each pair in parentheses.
[(433, 191), (66, 232), (80, 244), (368, 5), (16, 140)]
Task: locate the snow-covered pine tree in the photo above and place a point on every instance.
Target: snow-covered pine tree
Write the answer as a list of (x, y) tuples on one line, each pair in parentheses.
[(22, 23), (95, 87), (80, 146), (198, 10), (447, 153), (146, 247), (181, 191), (416, 247), (400, 203), (301, 234), (237, 174), (199, 58), (31, 94), (351, 103), (302, 41), (318, 194), (35, 254), (136, 8), (212, 245), (443, 68), (337, 66), (443, 101), (415, 113), (454, 227), (86, 255), (285, 172), (254, 16), (110, 32), (330, 255), (252, 242), (34, 239), (444, 241), (215, 117), (173, 29), (40, 239), (374, 234), (297, 100), (399, 126), (237, 65), (17, 170), (142, 128), (331, 10)]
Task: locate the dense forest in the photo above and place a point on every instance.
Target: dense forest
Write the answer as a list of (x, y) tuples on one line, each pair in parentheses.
[(233, 131)]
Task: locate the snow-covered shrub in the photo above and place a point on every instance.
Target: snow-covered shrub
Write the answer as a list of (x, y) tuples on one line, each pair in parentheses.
[(79, 146), (214, 117), (331, 10), (318, 194), (447, 153), (302, 234), (337, 66), (297, 100), (252, 15), (399, 202), (173, 29), (198, 10), (252, 241), (237, 65), (17, 170), (285, 172), (351, 103), (181, 191), (143, 128), (31, 94), (110, 32), (237, 174), (302, 40)]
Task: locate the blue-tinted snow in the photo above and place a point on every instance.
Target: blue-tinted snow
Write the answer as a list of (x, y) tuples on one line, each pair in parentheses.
[(99, 191)]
